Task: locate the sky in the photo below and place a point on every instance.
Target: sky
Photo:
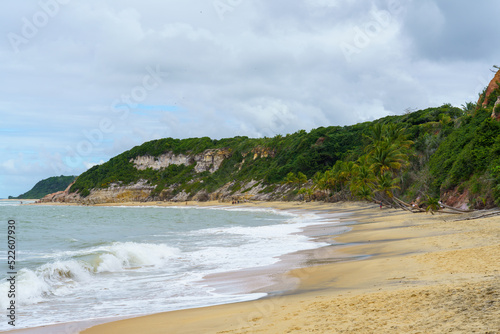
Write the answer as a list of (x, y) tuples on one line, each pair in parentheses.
[(83, 81)]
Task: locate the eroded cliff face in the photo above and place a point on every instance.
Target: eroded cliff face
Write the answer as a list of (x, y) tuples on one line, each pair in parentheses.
[(139, 192), (61, 196), (258, 152), (210, 160), (494, 84), (115, 193), (263, 152), (142, 192), (163, 161), (495, 114)]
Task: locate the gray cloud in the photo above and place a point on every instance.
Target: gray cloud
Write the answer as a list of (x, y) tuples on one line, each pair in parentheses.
[(226, 68), (451, 30)]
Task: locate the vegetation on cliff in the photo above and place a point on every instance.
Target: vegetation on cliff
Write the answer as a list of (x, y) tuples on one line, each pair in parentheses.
[(431, 154), (265, 159), (428, 153), (47, 186)]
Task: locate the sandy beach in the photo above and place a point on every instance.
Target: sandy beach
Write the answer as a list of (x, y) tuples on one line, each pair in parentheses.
[(394, 272)]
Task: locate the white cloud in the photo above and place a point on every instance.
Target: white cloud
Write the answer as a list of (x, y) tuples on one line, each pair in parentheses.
[(9, 166)]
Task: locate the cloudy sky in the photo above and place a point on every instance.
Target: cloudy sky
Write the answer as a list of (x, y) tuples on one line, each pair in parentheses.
[(82, 81)]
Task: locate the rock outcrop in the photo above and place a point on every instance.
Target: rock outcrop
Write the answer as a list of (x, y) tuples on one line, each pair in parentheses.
[(263, 152), (210, 160), (61, 196), (456, 199), (495, 114), (163, 161), (258, 152), (494, 84), (115, 193)]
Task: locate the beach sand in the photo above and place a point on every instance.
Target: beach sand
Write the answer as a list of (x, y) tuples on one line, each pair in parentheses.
[(395, 272)]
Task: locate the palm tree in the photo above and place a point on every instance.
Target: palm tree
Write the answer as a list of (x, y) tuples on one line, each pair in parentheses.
[(290, 178), (444, 119), (363, 170), (432, 204), (338, 178), (363, 180), (387, 157), (377, 172), (386, 184), (396, 135), (469, 107), (364, 192), (387, 148), (330, 180), (320, 181), (346, 172), (307, 193), (375, 137), (301, 178)]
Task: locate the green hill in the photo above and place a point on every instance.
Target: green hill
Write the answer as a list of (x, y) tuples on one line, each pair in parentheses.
[(47, 186), (452, 149), (299, 152), (446, 153)]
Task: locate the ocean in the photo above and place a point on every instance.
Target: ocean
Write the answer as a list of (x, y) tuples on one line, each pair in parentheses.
[(76, 263)]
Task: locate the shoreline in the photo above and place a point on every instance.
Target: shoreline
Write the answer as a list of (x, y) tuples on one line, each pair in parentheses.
[(401, 260), (255, 280)]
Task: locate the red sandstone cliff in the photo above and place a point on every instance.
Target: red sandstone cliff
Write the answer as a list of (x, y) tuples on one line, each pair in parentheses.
[(494, 84)]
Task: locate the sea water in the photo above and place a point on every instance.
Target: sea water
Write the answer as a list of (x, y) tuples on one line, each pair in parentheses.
[(78, 263)]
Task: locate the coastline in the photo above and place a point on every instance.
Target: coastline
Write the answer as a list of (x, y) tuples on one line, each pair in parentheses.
[(408, 267), (296, 219)]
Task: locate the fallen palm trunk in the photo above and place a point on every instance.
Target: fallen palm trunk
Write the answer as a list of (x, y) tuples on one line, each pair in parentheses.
[(490, 214), (455, 209), (450, 212), (407, 206)]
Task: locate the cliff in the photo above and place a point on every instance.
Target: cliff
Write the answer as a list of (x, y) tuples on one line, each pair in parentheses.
[(453, 156), (209, 160), (63, 196), (202, 168), (492, 87), (137, 192), (495, 114), (143, 190)]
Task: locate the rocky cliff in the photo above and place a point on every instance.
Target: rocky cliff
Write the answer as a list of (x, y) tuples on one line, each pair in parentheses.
[(115, 193), (209, 160), (495, 114), (494, 85), (143, 192), (462, 155), (61, 196), (262, 152)]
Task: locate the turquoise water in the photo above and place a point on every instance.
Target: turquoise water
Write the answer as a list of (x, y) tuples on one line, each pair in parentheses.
[(79, 263)]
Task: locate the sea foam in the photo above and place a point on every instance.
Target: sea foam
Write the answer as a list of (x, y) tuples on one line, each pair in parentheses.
[(79, 263), (61, 277)]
